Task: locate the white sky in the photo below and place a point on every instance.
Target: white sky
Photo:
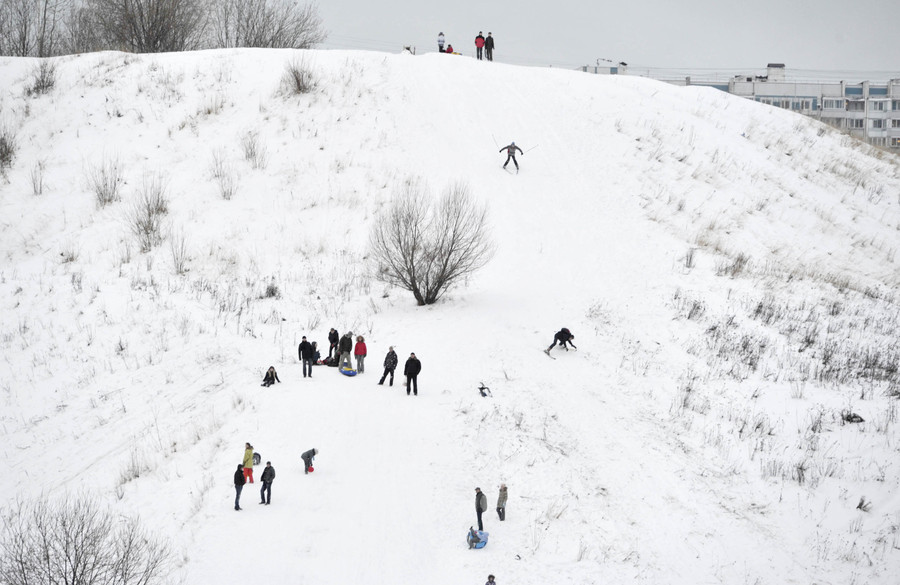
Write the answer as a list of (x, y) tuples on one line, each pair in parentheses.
[(819, 40)]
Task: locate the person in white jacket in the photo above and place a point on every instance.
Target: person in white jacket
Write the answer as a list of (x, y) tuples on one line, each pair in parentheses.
[(441, 42)]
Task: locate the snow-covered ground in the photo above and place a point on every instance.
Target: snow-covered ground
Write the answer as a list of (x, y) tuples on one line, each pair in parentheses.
[(729, 271)]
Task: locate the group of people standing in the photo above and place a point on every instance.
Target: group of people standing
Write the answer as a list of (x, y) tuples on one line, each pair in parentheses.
[(481, 504), (483, 46), (342, 347), (244, 474)]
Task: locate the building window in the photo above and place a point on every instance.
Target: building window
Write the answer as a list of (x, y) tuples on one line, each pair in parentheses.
[(877, 123), (859, 106), (895, 105), (834, 104), (895, 123), (878, 106), (860, 123), (895, 142)]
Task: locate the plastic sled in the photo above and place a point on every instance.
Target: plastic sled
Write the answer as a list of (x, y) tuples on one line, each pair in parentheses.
[(310, 469), (477, 538), (348, 372)]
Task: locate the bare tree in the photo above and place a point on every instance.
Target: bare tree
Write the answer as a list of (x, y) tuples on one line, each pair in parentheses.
[(148, 26), (32, 28), (428, 248), (265, 23), (73, 542)]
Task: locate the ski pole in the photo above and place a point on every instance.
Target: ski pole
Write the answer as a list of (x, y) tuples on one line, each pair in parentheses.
[(495, 141), (532, 148)]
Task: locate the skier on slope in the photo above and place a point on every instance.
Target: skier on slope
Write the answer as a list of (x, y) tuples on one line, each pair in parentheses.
[(511, 154), (563, 336)]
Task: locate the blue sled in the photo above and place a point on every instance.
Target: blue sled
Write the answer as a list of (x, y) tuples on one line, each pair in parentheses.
[(348, 372), (477, 538)]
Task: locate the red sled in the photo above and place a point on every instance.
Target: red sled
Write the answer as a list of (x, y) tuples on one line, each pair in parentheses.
[(310, 469)]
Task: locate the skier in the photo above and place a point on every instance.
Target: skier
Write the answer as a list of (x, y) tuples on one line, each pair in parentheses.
[(479, 45), (511, 154), (489, 47), (411, 371), (390, 364), (332, 340), (248, 463), (345, 346), (268, 476), (360, 352), (271, 377), (308, 457), (307, 356), (480, 506), (440, 42), (239, 482), (501, 502), (563, 336)]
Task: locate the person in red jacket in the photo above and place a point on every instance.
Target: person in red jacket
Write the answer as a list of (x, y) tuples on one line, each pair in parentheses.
[(479, 45), (449, 49), (360, 352)]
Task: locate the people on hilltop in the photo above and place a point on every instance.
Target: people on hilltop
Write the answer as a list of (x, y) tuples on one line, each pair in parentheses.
[(511, 149), (390, 364), (411, 371), (489, 47), (479, 46), (360, 353), (440, 42), (270, 378), (449, 49), (563, 337), (307, 354)]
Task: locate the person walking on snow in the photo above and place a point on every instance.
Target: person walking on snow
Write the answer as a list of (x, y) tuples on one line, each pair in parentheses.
[(307, 356), (346, 348), (411, 371), (268, 476), (440, 42), (390, 364), (501, 502), (480, 506), (248, 463), (308, 457), (511, 149), (239, 482), (360, 352), (479, 45), (489, 47), (332, 340), (563, 336)]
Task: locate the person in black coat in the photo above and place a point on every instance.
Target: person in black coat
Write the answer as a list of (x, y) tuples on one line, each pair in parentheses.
[(480, 506), (390, 364), (308, 457), (307, 356), (332, 340), (271, 377), (411, 371), (563, 336), (489, 47), (268, 476), (345, 346), (239, 482)]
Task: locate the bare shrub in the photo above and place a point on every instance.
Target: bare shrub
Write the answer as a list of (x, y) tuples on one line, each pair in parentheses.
[(37, 177), (298, 78), (428, 248), (224, 174), (254, 151), (147, 26), (105, 179), (145, 218), (266, 23), (73, 541), (8, 146), (43, 78), (179, 250)]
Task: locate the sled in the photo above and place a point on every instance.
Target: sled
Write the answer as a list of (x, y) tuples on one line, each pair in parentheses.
[(477, 538), (348, 372), (310, 469)]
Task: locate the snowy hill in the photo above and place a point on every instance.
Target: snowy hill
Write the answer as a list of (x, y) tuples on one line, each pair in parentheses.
[(729, 271)]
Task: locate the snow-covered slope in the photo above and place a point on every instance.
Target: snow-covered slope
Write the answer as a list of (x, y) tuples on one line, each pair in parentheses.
[(729, 271)]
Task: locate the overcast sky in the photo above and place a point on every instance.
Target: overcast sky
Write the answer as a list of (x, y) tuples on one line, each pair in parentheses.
[(830, 39)]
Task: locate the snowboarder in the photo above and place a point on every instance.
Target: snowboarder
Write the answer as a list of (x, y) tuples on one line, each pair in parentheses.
[(479, 45), (480, 506), (440, 42), (248, 462), (563, 336), (489, 47), (345, 346), (308, 457), (501, 502), (268, 476), (411, 371), (360, 352), (332, 340), (307, 355), (390, 364), (511, 154), (270, 378), (239, 482)]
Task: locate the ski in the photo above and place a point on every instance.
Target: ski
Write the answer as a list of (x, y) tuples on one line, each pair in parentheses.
[(547, 351)]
